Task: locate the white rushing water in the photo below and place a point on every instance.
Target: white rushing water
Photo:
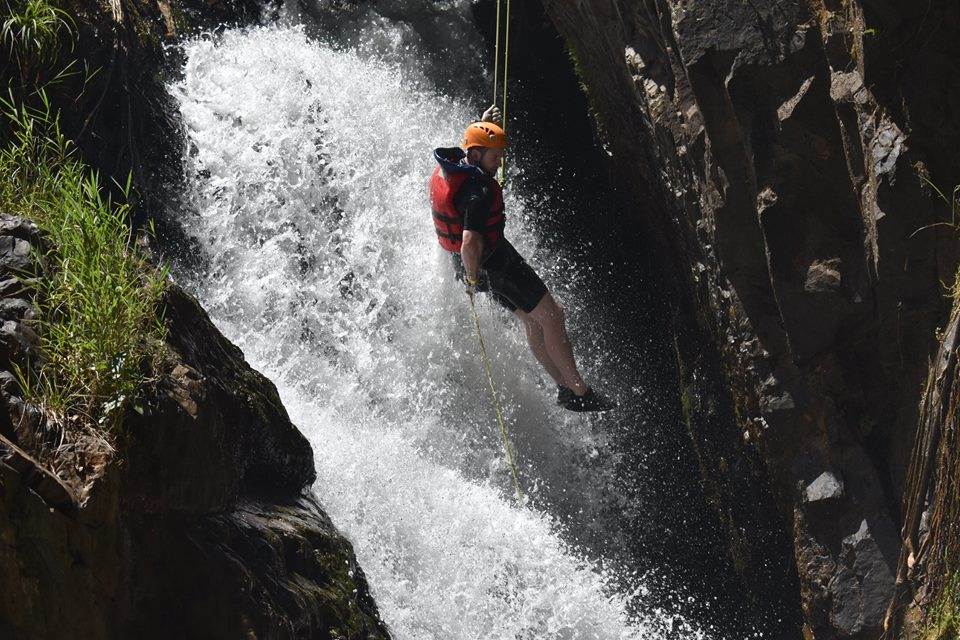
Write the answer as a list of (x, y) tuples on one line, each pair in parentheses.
[(306, 167)]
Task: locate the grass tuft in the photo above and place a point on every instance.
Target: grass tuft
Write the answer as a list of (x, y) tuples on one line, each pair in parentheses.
[(943, 617), (32, 31), (98, 300), (953, 204)]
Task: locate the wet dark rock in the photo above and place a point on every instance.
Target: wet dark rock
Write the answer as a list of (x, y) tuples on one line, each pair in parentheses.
[(225, 432), (926, 567), (873, 571), (18, 343), (264, 570), (16, 309), (27, 421), (200, 511), (15, 255), (9, 384), (780, 153)]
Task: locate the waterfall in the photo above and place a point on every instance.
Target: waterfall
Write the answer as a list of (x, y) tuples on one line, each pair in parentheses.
[(306, 167)]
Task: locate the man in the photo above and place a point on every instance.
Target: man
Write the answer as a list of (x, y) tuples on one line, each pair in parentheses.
[(467, 204)]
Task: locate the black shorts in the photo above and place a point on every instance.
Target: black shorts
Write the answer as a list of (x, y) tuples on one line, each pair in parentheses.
[(507, 276)]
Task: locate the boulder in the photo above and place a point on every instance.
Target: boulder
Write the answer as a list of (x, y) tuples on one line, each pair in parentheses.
[(225, 431)]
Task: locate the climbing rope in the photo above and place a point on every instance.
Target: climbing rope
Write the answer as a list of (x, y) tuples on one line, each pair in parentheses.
[(508, 449), (496, 56), (496, 74)]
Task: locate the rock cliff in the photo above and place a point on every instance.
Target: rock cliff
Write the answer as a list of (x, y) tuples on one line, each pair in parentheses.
[(925, 596), (195, 525), (784, 158)]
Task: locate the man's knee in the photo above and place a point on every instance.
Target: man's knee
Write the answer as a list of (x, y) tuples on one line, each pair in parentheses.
[(534, 331), (548, 311), (530, 325)]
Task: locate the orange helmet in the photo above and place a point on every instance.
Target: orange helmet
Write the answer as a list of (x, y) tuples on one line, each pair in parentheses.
[(484, 134)]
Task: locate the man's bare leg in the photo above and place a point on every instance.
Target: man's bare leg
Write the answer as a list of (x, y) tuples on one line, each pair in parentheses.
[(549, 315), (538, 345)]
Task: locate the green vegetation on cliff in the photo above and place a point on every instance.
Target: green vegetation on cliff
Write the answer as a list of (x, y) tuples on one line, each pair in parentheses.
[(943, 616), (98, 298), (97, 304)]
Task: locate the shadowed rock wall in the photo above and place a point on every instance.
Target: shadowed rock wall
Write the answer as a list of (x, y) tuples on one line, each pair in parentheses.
[(927, 571), (782, 155), (195, 527)]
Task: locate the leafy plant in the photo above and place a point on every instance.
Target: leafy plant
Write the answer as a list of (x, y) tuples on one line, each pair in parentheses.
[(98, 299), (32, 33), (953, 203)]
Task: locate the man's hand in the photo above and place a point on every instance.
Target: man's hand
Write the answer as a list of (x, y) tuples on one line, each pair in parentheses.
[(477, 284), (492, 114), (470, 251), (473, 285)]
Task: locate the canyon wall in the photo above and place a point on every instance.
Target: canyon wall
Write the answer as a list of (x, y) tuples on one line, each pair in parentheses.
[(785, 160)]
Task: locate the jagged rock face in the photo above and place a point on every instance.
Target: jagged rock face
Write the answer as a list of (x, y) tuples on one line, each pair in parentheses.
[(263, 570), (260, 569), (782, 154), (201, 461), (195, 526), (927, 571)]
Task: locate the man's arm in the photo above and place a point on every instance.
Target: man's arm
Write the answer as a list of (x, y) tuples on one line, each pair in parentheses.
[(471, 251), (475, 211)]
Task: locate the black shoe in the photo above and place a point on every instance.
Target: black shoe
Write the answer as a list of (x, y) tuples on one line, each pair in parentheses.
[(590, 401), (563, 394)]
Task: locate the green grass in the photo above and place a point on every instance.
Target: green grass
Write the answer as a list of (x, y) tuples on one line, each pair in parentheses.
[(98, 299), (943, 617), (32, 31)]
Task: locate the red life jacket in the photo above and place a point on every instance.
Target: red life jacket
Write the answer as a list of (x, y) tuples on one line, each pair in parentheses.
[(448, 222)]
